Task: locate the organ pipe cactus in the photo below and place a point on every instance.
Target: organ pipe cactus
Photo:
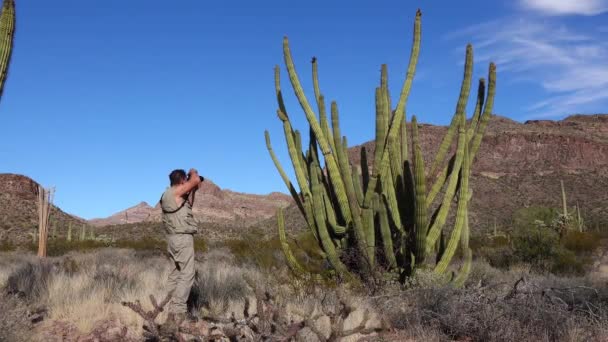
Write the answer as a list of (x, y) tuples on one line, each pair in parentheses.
[(383, 215)]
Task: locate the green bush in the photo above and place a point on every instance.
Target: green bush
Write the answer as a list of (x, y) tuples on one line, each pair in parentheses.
[(526, 217), (536, 244), (254, 247)]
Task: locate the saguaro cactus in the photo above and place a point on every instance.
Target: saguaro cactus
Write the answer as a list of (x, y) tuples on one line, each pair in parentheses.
[(384, 215)]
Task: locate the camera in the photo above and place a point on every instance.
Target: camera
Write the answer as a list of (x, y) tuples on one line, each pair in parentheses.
[(201, 178)]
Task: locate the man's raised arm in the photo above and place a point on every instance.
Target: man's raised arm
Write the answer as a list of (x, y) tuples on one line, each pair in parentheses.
[(192, 183)]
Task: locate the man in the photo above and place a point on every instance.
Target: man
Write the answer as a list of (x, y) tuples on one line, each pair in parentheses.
[(180, 226)]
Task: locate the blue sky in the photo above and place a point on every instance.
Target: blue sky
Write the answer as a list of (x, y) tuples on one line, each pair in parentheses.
[(104, 98)]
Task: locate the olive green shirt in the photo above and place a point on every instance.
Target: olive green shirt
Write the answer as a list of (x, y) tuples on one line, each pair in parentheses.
[(177, 219)]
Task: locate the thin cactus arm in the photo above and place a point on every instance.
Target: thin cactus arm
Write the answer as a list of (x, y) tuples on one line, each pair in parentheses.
[(294, 154), (292, 262), (297, 198), (460, 109), (7, 32), (474, 141), (487, 112), (321, 104), (465, 270), (444, 208), (411, 69)]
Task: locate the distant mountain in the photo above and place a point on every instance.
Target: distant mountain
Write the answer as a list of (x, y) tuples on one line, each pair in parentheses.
[(212, 205)]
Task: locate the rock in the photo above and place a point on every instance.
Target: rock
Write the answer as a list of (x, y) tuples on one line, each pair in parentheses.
[(323, 325), (306, 335)]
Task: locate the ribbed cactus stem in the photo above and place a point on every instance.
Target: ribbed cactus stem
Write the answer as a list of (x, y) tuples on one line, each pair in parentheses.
[(277, 164), (367, 215), (69, 236), (7, 31), (357, 184), (461, 216), (325, 123), (350, 188), (411, 68), (385, 233), (330, 159), (326, 242), (444, 209), (388, 189), (421, 207), (460, 109)]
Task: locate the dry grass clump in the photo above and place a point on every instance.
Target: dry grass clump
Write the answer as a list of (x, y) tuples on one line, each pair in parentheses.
[(503, 306), (83, 289)]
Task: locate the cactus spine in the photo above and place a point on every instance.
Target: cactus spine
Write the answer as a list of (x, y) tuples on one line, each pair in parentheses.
[(389, 205)]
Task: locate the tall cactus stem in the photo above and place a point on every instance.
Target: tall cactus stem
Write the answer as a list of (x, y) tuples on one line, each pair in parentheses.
[(330, 159), (461, 216), (421, 207)]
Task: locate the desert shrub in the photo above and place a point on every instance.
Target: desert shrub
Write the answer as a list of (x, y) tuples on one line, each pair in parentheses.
[(30, 281), (544, 309), (581, 242), (536, 244)]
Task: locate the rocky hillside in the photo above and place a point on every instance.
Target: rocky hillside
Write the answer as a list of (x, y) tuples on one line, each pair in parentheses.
[(19, 213), (521, 165), (213, 205)]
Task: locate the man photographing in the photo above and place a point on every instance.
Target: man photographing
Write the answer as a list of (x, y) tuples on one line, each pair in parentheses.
[(176, 204)]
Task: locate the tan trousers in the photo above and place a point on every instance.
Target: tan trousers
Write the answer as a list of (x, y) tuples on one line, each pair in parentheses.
[(181, 278)]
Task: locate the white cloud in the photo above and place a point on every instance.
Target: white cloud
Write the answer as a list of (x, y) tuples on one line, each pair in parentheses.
[(571, 67), (566, 7)]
